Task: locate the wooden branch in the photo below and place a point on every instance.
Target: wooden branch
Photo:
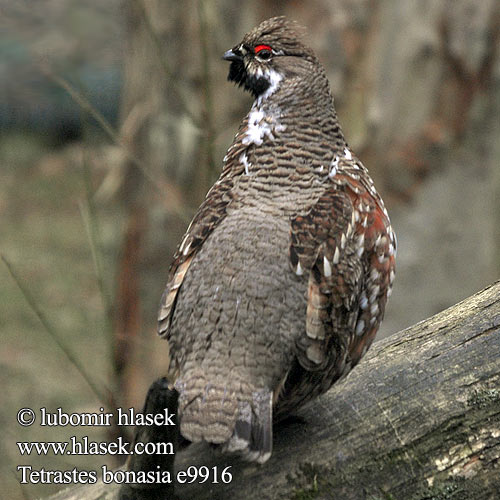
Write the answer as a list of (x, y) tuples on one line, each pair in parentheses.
[(419, 418)]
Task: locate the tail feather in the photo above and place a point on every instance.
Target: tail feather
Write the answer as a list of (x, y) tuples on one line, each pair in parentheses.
[(242, 434), (226, 412), (253, 430), (261, 445)]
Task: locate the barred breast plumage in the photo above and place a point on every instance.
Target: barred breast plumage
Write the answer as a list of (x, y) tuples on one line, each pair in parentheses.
[(280, 283)]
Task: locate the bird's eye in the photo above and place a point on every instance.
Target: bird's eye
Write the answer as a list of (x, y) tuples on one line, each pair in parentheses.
[(264, 52)]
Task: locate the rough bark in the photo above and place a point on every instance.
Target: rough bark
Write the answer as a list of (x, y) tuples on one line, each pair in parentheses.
[(419, 418)]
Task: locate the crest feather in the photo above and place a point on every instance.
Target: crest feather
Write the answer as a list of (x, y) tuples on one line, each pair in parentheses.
[(282, 34)]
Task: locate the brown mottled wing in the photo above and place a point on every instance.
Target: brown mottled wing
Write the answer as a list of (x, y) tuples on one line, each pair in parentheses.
[(345, 247), (210, 213)]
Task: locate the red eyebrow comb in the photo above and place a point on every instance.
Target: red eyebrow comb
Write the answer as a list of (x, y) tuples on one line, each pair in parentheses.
[(258, 48)]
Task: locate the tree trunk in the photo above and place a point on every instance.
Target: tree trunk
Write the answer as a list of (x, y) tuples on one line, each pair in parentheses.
[(419, 418)]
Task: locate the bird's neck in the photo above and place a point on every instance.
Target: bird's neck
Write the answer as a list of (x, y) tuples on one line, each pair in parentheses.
[(298, 113)]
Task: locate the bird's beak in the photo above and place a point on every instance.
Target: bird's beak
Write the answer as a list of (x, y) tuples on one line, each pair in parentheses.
[(229, 55)]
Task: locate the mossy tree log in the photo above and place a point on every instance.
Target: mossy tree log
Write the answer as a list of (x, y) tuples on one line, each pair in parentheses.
[(419, 418)]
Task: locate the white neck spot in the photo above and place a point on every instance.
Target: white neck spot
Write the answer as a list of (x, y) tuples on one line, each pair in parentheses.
[(261, 125)]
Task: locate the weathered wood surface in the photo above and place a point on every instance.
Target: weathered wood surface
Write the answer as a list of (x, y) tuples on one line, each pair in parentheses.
[(419, 418)]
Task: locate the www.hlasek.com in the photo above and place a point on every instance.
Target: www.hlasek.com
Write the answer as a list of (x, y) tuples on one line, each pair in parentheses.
[(84, 446)]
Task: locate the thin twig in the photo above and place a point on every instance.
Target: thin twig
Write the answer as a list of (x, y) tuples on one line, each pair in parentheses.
[(90, 220), (164, 64), (87, 106), (208, 95), (167, 191), (104, 397)]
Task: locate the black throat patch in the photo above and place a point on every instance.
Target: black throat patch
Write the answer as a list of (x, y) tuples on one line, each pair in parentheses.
[(239, 75)]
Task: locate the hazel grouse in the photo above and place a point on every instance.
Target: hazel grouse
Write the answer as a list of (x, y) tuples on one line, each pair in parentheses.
[(280, 283)]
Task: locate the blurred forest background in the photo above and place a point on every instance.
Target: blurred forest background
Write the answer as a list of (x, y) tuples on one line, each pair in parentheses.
[(114, 118)]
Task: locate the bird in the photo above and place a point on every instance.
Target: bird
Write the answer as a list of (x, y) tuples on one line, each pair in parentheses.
[(280, 283)]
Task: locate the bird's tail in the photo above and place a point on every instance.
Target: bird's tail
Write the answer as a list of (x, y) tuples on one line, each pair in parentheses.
[(226, 411)]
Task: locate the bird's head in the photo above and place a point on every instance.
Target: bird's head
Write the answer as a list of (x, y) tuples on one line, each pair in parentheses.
[(269, 54)]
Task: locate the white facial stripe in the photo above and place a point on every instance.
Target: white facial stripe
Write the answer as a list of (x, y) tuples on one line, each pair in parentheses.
[(274, 78)]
